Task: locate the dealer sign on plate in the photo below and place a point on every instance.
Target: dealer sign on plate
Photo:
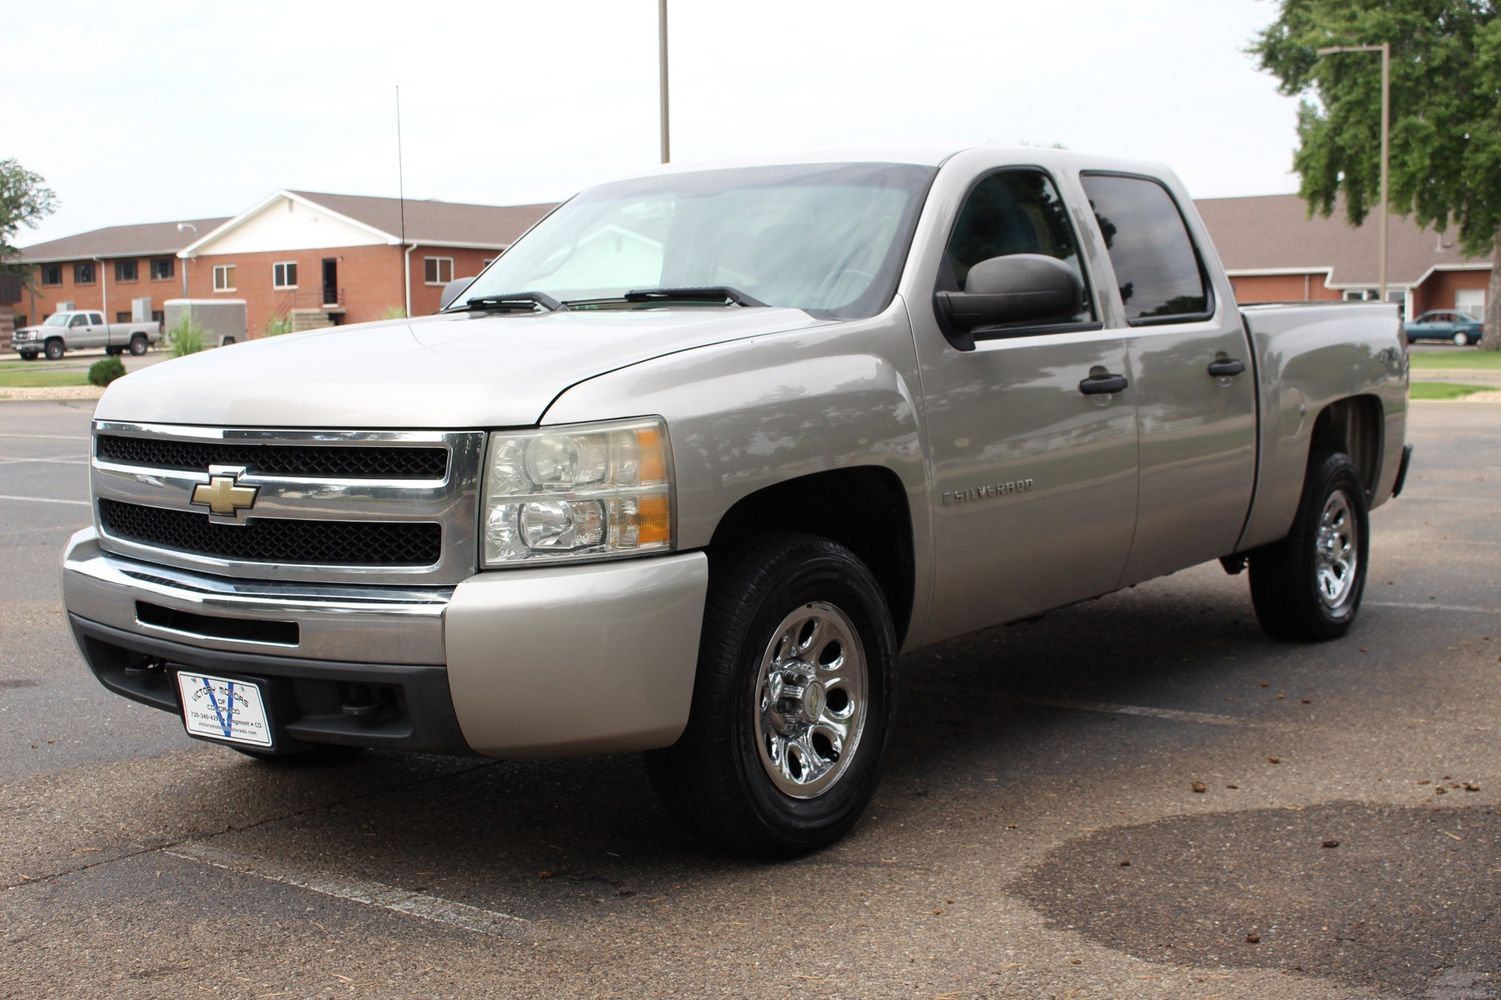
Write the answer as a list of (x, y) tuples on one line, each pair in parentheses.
[(223, 709)]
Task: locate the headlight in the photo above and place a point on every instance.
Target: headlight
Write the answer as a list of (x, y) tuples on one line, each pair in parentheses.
[(590, 491)]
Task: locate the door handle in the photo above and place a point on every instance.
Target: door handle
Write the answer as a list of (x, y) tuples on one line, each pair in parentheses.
[(1226, 367), (1097, 385)]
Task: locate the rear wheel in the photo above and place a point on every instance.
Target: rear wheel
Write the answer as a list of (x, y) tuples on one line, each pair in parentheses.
[(792, 701), (53, 349), (138, 344), (1308, 586)]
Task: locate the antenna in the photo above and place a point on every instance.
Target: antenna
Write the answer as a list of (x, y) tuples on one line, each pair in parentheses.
[(401, 197)]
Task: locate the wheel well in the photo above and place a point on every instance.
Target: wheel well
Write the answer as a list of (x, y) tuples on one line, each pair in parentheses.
[(1353, 426), (864, 509)]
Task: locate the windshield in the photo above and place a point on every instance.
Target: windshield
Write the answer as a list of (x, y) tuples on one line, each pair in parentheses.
[(56, 319), (828, 238)]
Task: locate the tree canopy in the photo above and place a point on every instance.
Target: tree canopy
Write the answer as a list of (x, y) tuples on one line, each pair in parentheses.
[(1445, 99), (24, 200)]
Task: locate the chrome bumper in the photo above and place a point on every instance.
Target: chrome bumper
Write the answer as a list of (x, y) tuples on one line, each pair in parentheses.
[(354, 624)]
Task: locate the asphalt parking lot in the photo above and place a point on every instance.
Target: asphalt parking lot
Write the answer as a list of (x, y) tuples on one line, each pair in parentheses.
[(1138, 797)]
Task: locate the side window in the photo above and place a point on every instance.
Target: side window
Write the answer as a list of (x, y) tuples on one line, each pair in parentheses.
[(79, 320), (96, 318), (1013, 211), (1150, 249)]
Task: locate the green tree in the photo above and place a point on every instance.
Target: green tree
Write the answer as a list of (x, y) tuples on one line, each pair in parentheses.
[(1445, 114), (23, 202)]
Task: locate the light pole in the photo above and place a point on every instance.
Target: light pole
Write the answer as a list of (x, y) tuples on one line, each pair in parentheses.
[(180, 227), (1386, 127)]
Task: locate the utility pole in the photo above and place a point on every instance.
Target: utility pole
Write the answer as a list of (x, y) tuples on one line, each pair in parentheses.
[(662, 68), (1386, 128)]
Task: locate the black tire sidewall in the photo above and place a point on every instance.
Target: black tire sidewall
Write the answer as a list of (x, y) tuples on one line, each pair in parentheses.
[(53, 350), (138, 345), (837, 578)]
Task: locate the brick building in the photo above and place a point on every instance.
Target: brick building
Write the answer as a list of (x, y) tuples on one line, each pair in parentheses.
[(1275, 253), (297, 257)]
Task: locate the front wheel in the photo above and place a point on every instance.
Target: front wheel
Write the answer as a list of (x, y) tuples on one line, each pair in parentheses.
[(28, 355), (1461, 339), (792, 701), (1308, 586)]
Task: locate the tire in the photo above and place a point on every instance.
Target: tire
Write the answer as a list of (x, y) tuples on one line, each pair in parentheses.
[(138, 345), (1308, 586), (1461, 339), (28, 355), (53, 349), (789, 726)]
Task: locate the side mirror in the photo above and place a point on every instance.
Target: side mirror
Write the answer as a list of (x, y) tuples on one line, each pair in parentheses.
[(1010, 289), (452, 291)]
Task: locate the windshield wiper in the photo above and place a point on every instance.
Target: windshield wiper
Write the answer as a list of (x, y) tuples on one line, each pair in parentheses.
[(511, 302), (712, 294)]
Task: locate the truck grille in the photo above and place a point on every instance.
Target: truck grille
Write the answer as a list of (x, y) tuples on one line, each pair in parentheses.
[(318, 462), (321, 506), (274, 540)]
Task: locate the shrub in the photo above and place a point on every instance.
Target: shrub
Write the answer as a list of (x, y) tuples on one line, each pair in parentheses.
[(278, 325), (186, 337), (394, 312), (106, 371)]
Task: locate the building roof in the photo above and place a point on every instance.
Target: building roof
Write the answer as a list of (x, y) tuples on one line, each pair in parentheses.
[(1273, 234), (435, 222), (149, 239)]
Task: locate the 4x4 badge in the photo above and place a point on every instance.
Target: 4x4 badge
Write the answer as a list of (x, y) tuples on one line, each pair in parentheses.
[(223, 495)]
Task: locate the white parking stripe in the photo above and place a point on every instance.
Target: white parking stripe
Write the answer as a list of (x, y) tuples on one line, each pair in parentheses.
[(1202, 718), (1430, 606), (47, 437), (376, 894), (81, 503), (80, 460)]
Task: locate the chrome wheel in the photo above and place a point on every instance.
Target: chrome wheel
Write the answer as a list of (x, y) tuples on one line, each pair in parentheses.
[(1337, 551), (811, 700)]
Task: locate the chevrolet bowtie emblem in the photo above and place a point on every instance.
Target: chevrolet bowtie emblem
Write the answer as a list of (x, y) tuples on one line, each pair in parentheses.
[(223, 496)]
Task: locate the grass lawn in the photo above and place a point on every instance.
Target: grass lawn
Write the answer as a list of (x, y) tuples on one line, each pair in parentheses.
[(34, 379), (1457, 360), (1444, 390)]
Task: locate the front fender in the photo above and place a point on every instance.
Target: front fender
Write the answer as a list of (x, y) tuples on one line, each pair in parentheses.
[(750, 414)]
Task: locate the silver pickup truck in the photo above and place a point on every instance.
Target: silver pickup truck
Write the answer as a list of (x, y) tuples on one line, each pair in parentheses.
[(83, 330), (689, 466)]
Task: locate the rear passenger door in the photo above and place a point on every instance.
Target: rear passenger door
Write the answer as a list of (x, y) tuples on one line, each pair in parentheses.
[(1194, 376)]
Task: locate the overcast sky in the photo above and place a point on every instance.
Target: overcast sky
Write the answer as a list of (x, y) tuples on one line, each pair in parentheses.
[(176, 110)]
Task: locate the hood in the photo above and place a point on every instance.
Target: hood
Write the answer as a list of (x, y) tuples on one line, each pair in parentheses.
[(450, 371)]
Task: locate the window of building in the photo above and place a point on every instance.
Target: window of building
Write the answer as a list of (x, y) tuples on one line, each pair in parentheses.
[(284, 274), (437, 270), (1011, 212), (486, 262), (158, 317), (52, 274), (162, 268), (224, 277), (127, 270), (122, 317), (83, 273), (1156, 264)]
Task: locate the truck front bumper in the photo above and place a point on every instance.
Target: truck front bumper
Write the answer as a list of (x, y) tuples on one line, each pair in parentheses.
[(513, 663)]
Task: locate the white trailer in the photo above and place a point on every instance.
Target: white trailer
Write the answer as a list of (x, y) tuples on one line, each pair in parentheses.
[(223, 320)]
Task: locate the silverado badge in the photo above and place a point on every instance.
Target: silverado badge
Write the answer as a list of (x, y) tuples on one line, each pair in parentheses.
[(223, 495)]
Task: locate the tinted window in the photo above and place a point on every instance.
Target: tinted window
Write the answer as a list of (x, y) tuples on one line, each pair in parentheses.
[(1154, 259), (1015, 211)]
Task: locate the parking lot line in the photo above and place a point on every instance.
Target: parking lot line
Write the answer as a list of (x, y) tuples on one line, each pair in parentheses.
[(80, 503), (1431, 606), (1202, 718), (70, 460), (363, 891), (48, 437)]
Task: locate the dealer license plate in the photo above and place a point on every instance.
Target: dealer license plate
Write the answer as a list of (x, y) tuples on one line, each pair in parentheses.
[(224, 709)]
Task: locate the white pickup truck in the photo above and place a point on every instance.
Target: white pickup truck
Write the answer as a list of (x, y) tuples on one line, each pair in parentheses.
[(687, 467), (83, 330)]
